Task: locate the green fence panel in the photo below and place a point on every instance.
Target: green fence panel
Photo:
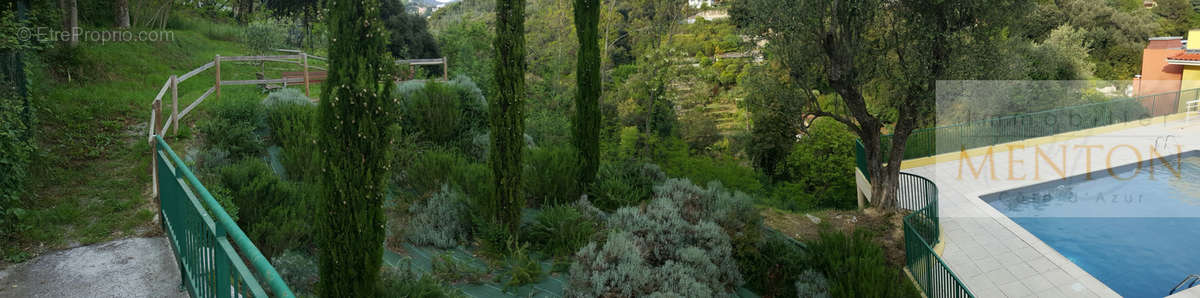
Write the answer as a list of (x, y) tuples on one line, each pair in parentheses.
[(211, 253), (921, 229)]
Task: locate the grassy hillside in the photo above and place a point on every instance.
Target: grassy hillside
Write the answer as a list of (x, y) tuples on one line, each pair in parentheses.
[(90, 180)]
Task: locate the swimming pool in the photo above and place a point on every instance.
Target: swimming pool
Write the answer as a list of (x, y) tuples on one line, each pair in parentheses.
[(1138, 234)]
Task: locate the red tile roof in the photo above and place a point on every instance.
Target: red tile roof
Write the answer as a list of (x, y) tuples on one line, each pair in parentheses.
[(1188, 56)]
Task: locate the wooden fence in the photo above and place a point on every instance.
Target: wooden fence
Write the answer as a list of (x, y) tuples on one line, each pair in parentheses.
[(160, 123)]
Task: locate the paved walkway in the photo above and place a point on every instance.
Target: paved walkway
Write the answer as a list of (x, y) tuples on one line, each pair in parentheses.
[(135, 267), (994, 256)]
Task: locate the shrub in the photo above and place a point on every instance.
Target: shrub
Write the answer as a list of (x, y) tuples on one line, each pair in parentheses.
[(224, 198), (521, 269), (822, 163), (290, 116), (655, 250), (403, 281), (298, 270), (625, 184), (548, 127), (434, 168), (552, 176), (773, 267), (234, 127), (589, 211), (285, 97), (789, 196), (212, 158), (493, 239), (813, 284), (675, 161), (560, 231), (699, 129), (442, 113), (446, 267), (856, 267), (276, 214), (17, 145), (440, 220), (732, 211), (264, 36), (616, 268)]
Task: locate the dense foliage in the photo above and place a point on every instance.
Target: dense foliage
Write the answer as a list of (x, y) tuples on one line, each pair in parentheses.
[(552, 176), (819, 173), (234, 128), (431, 169), (560, 231), (16, 124), (725, 100), (507, 116), (291, 118), (586, 124), (773, 266), (408, 33), (354, 138), (402, 281), (449, 114), (274, 213), (298, 270), (626, 183), (856, 266)]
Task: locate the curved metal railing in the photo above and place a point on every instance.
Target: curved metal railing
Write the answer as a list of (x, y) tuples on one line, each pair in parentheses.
[(922, 230), (1191, 280)]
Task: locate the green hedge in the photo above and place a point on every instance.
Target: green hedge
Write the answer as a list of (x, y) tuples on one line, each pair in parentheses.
[(16, 136)]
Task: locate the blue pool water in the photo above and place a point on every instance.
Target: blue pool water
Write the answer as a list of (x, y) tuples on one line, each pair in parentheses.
[(1138, 234)]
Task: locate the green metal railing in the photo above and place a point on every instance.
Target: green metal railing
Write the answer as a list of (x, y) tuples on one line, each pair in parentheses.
[(211, 253), (922, 227), (921, 231)]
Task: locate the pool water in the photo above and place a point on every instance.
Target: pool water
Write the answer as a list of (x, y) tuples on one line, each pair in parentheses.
[(1138, 234)]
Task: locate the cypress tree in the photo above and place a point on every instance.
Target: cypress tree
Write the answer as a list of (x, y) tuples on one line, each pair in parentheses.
[(507, 115), (586, 133), (353, 139)]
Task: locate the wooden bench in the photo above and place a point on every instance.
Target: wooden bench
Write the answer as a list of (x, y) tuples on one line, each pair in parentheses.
[(313, 76)]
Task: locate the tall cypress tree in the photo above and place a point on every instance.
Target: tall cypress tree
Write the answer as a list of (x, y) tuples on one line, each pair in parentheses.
[(507, 114), (353, 138), (586, 133)]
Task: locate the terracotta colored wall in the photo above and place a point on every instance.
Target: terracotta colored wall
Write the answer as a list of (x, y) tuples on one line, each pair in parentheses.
[(1157, 75)]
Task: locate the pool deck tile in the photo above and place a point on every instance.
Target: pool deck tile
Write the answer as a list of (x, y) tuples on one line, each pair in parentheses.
[(1189, 293), (993, 255)]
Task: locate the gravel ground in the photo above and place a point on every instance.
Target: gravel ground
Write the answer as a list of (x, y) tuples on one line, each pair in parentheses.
[(134, 267)]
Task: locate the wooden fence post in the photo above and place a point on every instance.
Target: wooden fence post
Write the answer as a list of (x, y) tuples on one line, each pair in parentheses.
[(217, 71), (175, 105), (445, 69), (155, 119), (304, 59)]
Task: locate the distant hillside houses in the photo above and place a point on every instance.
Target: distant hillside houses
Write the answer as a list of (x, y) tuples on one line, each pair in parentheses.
[(700, 3)]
